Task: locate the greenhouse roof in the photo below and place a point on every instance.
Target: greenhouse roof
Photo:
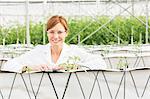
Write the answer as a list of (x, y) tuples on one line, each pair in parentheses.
[(38, 1)]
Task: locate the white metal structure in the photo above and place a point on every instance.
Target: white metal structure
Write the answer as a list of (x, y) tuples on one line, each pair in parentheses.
[(23, 11)]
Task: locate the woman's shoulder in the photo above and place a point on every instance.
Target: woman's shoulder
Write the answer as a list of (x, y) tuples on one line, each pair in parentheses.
[(40, 48), (71, 46), (75, 49)]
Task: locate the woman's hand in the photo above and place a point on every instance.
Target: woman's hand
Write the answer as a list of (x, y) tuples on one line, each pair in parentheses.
[(41, 67), (44, 67)]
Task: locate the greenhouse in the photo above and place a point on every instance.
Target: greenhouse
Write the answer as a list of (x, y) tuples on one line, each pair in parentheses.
[(115, 30)]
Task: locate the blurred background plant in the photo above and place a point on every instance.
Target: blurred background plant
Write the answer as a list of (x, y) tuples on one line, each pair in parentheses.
[(123, 27)]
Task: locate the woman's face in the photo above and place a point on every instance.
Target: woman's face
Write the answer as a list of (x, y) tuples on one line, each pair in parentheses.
[(57, 35)]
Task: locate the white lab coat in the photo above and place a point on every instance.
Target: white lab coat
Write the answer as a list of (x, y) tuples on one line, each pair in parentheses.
[(42, 55)]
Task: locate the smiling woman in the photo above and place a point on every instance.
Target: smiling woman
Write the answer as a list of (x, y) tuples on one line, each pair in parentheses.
[(56, 55)]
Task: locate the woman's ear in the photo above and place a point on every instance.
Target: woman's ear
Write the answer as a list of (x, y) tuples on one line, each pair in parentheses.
[(67, 32)]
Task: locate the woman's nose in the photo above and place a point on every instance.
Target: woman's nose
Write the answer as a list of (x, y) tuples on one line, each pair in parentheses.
[(55, 35)]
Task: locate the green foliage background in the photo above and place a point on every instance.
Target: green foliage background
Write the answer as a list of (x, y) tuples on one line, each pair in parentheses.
[(125, 27)]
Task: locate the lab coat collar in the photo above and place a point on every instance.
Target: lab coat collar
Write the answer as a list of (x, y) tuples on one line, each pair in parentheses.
[(62, 55)]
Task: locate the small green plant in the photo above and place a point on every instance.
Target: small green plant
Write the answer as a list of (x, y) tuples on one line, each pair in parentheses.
[(122, 65), (71, 64), (27, 69)]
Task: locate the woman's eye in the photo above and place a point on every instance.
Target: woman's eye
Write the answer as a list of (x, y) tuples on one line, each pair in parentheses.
[(60, 32), (51, 32)]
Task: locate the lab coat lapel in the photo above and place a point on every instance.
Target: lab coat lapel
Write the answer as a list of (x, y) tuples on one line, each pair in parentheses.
[(48, 55), (63, 55)]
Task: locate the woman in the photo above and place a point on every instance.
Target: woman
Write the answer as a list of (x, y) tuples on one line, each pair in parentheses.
[(56, 54)]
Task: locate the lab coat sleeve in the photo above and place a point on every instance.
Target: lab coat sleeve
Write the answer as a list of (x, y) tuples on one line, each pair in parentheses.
[(16, 64), (12, 66), (92, 61)]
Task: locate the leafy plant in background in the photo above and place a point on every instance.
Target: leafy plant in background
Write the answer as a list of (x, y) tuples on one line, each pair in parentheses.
[(36, 32), (106, 35)]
